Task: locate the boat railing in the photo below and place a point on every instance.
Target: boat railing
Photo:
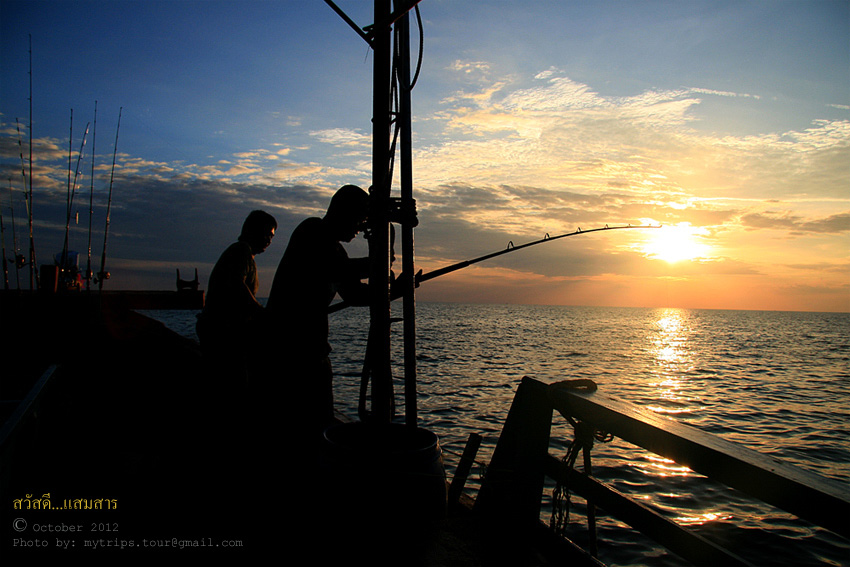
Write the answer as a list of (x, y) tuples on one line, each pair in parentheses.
[(512, 490)]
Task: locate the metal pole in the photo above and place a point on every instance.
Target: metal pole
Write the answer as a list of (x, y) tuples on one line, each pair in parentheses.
[(407, 205), (379, 239)]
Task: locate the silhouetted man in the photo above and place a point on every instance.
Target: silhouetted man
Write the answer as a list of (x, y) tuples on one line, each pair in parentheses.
[(228, 327), (314, 268)]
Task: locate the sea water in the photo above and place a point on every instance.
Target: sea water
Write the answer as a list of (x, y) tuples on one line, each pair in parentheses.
[(775, 382)]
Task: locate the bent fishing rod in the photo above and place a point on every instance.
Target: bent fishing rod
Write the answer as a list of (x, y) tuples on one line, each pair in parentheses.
[(420, 277)]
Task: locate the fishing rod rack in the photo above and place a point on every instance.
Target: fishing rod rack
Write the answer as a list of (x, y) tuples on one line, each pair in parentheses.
[(511, 492)]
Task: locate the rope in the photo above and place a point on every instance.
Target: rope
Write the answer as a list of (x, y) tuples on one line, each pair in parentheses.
[(585, 437)]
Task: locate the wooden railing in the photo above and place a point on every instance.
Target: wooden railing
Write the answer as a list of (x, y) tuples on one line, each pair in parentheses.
[(512, 489)]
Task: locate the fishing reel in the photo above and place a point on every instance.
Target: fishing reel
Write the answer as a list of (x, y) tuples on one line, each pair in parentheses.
[(365, 229), (400, 211), (403, 212)]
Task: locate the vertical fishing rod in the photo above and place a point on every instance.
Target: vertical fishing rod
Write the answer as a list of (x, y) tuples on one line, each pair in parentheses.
[(28, 195), (21, 153), (19, 258), (20, 262), (91, 199), (71, 193), (68, 194), (103, 274), (3, 238)]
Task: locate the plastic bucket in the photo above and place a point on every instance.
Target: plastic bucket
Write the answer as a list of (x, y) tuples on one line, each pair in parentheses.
[(386, 473)]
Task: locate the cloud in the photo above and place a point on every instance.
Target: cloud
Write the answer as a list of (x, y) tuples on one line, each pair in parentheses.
[(342, 137), (546, 157), (242, 170), (562, 132), (834, 224), (511, 159), (723, 93), (470, 67)]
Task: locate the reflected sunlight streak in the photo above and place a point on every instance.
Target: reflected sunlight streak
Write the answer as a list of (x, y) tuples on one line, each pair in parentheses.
[(668, 348), (660, 466), (700, 519)]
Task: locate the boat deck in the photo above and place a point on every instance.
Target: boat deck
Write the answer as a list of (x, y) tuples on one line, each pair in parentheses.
[(134, 426)]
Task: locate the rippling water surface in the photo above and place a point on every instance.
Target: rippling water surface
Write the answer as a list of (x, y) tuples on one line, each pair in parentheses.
[(776, 382)]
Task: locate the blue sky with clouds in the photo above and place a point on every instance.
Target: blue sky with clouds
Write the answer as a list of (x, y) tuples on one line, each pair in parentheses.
[(728, 122)]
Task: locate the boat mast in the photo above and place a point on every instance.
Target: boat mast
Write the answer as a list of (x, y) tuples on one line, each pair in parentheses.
[(391, 67), (379, 237), (408, 220), (383, 209)]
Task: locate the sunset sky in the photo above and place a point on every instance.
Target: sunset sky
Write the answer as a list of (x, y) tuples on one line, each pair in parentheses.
[(728, 122)]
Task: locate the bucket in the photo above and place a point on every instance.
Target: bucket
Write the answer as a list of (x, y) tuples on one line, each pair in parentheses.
[(388, 474)]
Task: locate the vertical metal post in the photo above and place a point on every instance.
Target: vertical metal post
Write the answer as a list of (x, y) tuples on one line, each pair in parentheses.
[(407, 204), (379, 241)]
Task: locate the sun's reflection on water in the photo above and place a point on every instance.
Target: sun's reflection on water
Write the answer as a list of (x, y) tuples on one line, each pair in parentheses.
[(660, 466), (670, 349), (671, 497), (670, 344), (699, 519)]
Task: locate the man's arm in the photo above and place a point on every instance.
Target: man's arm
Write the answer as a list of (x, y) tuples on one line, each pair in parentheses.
[(349, 285)]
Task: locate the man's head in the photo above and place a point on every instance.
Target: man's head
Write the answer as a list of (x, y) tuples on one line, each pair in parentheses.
[(348, 211), (258, 230)]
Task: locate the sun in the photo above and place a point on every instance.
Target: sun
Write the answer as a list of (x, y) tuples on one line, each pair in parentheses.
[(676, 243)]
